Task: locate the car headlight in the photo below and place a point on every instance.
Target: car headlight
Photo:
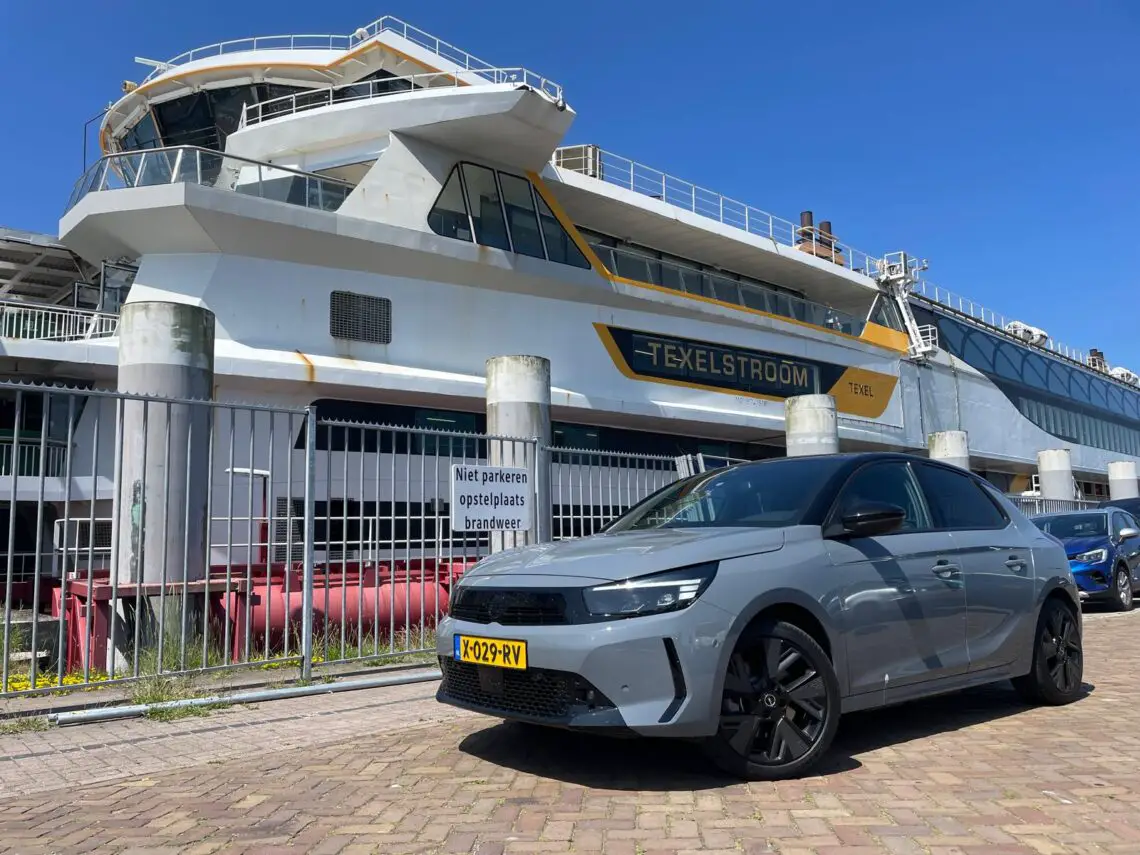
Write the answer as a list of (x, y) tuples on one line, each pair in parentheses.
[(1093, 556), (670, 591)]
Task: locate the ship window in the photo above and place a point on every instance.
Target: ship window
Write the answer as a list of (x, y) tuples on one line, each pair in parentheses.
[(448, 217), (886, 314), (144, 134), (360, 317), (188, 121), (559, 246), (521, 216), (486, 210)]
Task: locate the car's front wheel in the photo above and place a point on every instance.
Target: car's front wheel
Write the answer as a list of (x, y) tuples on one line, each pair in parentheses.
[(1122, 588), (1058, 658), (779, 707)]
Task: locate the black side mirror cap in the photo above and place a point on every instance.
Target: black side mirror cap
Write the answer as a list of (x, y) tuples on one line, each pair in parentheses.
[(868, 519)]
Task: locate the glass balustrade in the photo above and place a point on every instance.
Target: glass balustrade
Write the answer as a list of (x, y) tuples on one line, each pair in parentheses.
[(193, 165)]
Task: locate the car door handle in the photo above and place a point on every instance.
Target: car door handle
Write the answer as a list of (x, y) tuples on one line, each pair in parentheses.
[(1016, 564), (945, 570)]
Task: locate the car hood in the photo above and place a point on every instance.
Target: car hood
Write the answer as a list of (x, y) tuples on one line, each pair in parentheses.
[(622, 555), (1077, 545)]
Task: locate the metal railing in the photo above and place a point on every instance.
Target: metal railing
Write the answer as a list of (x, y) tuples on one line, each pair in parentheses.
[(987, 317), (387, 23), (591, 488), (194, 537), (32, 458), (611, 168), (622, 172), (298, 102), (208, 168), (32, 322), (1033, 506)]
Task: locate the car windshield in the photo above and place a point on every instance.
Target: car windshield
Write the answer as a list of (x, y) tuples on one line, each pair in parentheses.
[(769, 495), (1074, 525)]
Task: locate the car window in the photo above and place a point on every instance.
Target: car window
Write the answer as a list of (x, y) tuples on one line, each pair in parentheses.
[(889, 482), (956, 500), (770, 494), (1118, 523), (1074, 525), (1130, 522)]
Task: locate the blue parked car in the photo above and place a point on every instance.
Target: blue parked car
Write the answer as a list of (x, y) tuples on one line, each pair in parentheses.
[(1103, 545)]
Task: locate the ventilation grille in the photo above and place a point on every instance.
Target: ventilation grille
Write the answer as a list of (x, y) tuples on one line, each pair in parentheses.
[(286, 548), (359, 317)]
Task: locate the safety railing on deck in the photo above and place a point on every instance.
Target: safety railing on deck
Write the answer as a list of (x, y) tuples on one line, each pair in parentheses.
[(387, 23), (611, 168), (622, 172), (31, 322), (193, 165), (29, 458), (299, 102), (976, 311)]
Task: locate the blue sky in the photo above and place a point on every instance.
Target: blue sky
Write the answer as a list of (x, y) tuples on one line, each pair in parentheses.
[(996, 139)]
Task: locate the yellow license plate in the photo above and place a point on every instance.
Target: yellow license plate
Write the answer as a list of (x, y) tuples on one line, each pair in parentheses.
[(490, 651)]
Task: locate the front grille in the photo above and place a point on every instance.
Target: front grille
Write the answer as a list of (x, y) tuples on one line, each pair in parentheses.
[(510, 608), (535, 693)]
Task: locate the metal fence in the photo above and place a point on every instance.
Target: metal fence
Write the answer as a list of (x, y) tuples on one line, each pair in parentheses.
[(143, 536), (1033, 506)]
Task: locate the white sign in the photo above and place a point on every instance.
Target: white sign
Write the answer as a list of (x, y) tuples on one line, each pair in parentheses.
[(490, 498)]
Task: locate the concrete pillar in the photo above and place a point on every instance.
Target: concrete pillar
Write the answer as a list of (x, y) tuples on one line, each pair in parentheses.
[(950, 446), (518, 405), (1122, 483), (811, 425), (1055, 473), (165, 350)]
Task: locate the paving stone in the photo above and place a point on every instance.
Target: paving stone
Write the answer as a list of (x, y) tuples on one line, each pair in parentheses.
[(390, 771)]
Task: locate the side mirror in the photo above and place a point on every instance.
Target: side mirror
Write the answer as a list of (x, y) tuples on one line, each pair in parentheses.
[(870, 519), (1129, 533)]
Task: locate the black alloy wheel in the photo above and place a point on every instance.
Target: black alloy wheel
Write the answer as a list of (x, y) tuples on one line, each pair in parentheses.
[(779, 707), (1058, 658), (1122, 587)]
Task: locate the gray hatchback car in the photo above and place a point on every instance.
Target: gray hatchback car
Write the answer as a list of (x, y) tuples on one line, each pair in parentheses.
[(749, 607)]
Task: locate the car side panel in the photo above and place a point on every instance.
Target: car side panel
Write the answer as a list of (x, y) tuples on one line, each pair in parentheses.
[(998, 570), (904, 622)]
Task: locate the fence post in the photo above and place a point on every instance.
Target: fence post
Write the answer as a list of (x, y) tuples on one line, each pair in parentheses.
[(543, 521), (310, 532)]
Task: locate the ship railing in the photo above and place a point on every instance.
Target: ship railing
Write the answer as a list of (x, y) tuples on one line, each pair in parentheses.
[(387, 23), (32, 322), (976, 311), (622, 172), (24, 456), (314, 99), (611, 168), (208, 168)]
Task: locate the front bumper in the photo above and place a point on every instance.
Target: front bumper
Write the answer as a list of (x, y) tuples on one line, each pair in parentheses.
[(653, 675), (1093, 581)]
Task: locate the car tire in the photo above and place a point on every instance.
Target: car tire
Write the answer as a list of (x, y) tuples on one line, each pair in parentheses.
[(1054, 679), (1121, 590), (776, 721)]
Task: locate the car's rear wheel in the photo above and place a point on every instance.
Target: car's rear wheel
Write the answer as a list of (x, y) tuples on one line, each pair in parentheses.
[(779, 707), (1058, 658), (1122, 589)]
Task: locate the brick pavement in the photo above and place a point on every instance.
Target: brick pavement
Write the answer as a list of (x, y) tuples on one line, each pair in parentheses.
[(391, 772)]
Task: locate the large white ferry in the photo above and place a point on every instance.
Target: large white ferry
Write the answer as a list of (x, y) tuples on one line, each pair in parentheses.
[(371, 216)]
